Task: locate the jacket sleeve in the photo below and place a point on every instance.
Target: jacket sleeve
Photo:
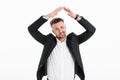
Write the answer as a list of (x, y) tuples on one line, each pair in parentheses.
[(90, 29), (33, 30)]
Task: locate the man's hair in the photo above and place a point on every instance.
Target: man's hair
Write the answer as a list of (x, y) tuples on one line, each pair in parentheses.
[(56, 20)]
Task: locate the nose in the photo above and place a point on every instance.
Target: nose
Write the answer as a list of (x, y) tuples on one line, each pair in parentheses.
[(60, 30)]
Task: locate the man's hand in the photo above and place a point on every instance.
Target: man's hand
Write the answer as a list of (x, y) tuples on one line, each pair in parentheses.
[(72, 14), (69, 12), (53, 13)]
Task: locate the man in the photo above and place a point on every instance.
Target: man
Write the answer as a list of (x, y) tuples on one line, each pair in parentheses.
[(61, 58)]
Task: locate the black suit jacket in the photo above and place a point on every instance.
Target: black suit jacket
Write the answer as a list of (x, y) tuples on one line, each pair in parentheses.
[(49, 42)]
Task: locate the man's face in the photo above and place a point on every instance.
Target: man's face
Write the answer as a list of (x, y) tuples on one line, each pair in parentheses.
[(59, 29)]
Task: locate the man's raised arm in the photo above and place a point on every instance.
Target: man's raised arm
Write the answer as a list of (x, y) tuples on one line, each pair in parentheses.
[(33, 28), (90, 29)]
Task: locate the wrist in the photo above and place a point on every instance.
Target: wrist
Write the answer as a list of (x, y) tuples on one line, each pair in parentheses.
[(78, 18), (46, 16)]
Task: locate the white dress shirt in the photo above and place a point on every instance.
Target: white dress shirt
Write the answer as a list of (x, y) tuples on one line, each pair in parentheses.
[(60, 64)]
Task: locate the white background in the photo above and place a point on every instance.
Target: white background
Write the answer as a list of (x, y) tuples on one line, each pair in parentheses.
[(20, 53)]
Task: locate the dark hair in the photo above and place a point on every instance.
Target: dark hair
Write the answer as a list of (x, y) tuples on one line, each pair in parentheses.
[(56, 20)]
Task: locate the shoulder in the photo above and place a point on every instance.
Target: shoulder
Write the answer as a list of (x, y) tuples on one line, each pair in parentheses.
[(50, 35), (50, 38), (72, 34)]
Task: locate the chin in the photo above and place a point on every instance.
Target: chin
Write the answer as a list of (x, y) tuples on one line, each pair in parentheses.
[(61, 37)]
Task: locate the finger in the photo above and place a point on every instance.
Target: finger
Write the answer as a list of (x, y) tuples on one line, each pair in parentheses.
[(66, 9), (58, 9), (54, 13)]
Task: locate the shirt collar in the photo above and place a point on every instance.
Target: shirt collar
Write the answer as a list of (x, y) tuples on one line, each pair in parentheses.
[(58, 41)]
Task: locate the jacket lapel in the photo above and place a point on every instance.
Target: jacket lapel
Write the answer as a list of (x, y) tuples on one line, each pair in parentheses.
[(74, 48), (48, 47)]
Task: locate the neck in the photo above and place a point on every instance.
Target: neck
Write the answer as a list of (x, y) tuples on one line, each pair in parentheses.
[(61, 40)]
